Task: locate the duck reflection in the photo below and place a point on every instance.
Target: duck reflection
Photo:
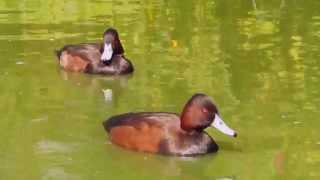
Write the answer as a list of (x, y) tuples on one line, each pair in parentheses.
[(107, 87), (146, 165)]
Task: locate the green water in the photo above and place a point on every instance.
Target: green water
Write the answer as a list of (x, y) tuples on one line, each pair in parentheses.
[(258, 59)]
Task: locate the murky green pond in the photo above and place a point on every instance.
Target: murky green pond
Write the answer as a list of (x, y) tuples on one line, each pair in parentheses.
[(258, 59)]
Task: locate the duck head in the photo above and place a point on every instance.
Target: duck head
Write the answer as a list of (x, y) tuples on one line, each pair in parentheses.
[(200, 112), (111, 45)]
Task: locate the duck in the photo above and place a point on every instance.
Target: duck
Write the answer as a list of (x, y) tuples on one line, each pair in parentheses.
[(169, 133), (106, 58)]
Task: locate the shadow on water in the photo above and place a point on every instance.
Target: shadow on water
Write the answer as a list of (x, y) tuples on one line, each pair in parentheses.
[(157, 166), (228, 146)]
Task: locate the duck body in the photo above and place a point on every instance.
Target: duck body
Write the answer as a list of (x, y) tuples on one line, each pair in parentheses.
[(157, 133), (88, 57), (167, 133)]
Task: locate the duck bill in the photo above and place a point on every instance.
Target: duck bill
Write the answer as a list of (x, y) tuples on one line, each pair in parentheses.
[(219, 124), (107, 52)]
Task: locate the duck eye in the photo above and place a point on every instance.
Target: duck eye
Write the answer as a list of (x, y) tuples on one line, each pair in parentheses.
[(204, 110)]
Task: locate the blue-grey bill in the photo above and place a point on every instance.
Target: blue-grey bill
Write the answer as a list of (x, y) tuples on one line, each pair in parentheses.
[(219, 124)]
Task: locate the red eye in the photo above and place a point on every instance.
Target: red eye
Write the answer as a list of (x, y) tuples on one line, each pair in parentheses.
[(204, 110)]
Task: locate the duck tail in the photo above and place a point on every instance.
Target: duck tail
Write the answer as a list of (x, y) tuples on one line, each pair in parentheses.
[(109, 124)]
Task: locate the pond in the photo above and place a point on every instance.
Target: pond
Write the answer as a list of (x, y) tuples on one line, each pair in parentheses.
[(258, 59)]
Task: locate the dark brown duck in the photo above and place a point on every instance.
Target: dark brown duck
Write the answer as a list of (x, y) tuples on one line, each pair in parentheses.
[(96, 58), (169, 133)]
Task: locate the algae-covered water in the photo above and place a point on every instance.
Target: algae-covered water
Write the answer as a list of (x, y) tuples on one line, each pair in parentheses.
[(259, 60)]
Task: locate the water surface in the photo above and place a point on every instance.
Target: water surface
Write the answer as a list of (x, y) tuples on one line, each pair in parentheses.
[(258, 59)]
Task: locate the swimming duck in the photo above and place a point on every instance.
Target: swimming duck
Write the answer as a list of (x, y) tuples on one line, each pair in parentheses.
[(169, 133), (97, 58)]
